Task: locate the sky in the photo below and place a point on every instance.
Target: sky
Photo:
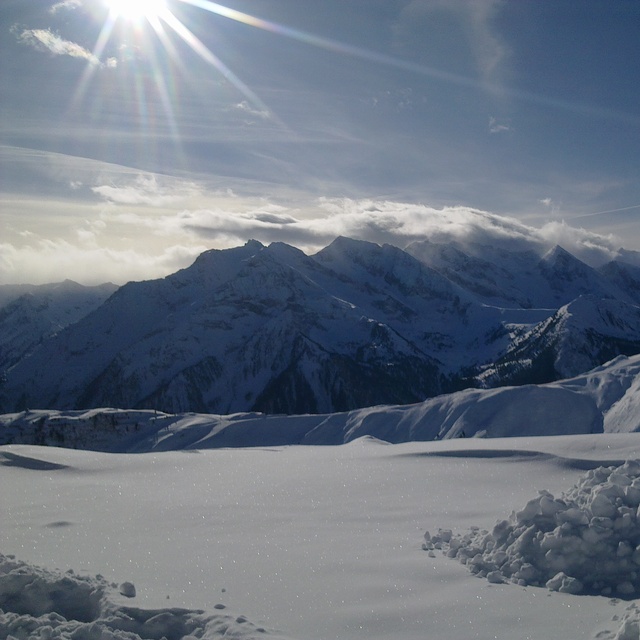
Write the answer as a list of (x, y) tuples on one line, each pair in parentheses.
[(136, 134)]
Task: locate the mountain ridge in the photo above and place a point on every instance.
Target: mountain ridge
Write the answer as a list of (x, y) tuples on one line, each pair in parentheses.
[(271, 329)]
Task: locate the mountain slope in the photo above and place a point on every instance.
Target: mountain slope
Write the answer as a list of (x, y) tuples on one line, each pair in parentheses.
[(624, 276), (252, 327), (30, 315)]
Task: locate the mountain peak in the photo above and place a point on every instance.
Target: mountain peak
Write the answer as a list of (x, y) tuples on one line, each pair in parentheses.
[(556, 254), (344, 245)]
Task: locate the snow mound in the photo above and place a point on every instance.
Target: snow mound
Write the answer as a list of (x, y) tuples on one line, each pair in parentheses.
[(586, 542), (39, 604)]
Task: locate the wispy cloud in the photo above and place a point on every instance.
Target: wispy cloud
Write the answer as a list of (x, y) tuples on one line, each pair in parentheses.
[(246, 108), (551, 205), (46, 40), (146, 189), (65, 4), (476, 17), (490, 50), (498, 127)]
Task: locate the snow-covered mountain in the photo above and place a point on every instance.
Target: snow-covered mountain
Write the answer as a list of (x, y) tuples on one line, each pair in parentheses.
[(625, 276), (579, 336), (31, 314), (270, 329), (523, 278)]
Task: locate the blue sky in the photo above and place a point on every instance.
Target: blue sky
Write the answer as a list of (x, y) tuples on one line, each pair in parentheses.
[(130, 143)]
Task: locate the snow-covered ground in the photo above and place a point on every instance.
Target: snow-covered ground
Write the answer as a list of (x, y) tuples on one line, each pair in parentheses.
[(315, 543)]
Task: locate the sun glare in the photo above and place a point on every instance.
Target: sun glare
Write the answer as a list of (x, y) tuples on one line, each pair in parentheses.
[(134, 10)]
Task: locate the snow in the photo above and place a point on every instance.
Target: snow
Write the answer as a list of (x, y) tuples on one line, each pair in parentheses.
[(587, 541), (306, 542), (37, 603)]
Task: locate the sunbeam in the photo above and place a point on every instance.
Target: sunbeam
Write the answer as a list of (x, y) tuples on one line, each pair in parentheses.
[(98, 50), (208, 56)]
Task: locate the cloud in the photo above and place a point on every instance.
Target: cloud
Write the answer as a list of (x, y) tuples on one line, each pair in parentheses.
[(245, 107), (48, 261), (65, 4), (394, 223), (498, 127), (593, 248), (46, 40), (146, 189), (121, 245), (228, 228)]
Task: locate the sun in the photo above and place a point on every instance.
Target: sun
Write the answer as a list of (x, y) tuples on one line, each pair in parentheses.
[(135, 10)]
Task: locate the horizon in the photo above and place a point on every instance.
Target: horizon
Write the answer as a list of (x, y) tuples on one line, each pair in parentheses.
[(593, 250)]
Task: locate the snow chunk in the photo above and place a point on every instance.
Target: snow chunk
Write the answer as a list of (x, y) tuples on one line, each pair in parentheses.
[(587, 541), (46, 605), (564, 584)]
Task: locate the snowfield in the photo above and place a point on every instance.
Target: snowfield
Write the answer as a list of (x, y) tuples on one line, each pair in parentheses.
[(313, 542)]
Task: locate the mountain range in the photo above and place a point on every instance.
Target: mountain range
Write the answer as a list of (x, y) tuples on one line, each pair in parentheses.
[(271, 329)]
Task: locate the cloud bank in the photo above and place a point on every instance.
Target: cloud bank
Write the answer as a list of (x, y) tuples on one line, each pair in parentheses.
[(398, 224), (159, 243)]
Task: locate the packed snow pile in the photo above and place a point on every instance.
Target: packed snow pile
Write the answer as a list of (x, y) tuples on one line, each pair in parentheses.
[(586, 542), (39, 604)]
